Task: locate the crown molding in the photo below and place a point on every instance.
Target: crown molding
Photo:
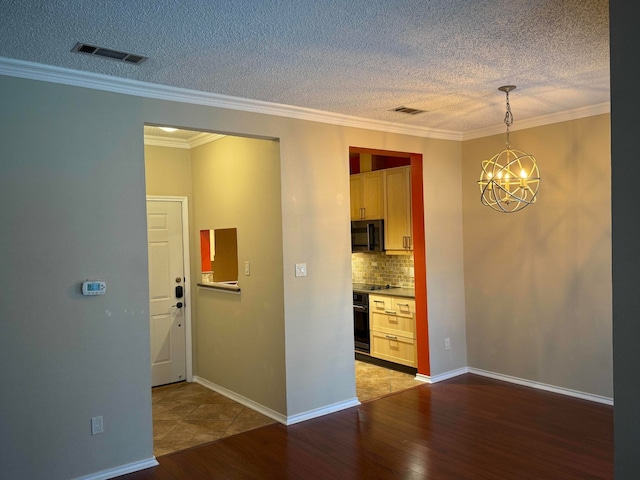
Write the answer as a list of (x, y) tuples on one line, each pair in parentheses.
[(542, 120), (197, 140), (65, 76), (157, 141), (203, 138)]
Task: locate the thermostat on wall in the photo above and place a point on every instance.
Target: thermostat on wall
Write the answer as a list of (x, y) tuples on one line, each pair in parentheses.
[(92, 287)]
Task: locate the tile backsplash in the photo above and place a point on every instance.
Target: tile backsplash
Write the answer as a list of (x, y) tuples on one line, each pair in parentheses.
[(378, 268)]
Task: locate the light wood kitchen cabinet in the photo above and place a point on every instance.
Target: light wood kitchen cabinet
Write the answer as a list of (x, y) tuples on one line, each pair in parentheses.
[(367, 196), (393, 327), (397, 226)]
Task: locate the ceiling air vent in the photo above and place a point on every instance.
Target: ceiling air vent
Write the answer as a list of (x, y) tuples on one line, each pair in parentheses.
[(407, 110), (108, 53)]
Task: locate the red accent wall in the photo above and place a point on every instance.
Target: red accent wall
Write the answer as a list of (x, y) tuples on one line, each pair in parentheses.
[(205, 251), (419, 264)]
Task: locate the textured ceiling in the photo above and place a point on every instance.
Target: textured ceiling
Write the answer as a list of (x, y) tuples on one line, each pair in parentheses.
[(354, 57)]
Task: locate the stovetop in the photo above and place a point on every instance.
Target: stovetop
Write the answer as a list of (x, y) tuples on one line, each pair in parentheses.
[(370, 286)]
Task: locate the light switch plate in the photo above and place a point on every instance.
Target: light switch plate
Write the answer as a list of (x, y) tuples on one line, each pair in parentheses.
[(247, 268), (301, 269)]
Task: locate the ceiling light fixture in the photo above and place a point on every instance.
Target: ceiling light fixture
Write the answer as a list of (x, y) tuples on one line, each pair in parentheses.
[(509, 181), (168, 129)]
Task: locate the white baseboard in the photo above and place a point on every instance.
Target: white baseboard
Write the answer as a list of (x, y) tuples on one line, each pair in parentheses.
[(319, 412), (543, 386), (519, 381), (278, 417), (443, 376), (122, 470), (301, 417)]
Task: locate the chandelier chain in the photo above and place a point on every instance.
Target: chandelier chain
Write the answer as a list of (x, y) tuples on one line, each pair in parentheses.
[(508, 120)]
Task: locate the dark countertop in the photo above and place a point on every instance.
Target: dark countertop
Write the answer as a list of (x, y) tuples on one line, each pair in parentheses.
[(390, 292)]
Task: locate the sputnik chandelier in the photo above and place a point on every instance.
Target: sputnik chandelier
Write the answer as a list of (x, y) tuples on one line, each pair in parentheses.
[(509, 181)]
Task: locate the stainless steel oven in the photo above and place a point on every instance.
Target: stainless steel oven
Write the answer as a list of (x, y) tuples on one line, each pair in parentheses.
[(361, 322)]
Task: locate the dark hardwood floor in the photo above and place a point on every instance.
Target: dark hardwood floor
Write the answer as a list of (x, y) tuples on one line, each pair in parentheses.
[(468, 427)]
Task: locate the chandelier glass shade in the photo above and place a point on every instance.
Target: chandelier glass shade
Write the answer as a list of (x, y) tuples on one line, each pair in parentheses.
[(509, 180)]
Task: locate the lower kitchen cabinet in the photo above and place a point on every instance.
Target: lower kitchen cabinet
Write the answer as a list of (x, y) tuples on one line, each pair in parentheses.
[(393, 327), (393, 348)]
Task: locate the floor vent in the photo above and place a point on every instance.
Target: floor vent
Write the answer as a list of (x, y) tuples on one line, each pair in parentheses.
[(407, 110), (108, 53)]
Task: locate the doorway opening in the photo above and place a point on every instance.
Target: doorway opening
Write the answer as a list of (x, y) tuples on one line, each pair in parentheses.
[(387, 187), (213, 177)]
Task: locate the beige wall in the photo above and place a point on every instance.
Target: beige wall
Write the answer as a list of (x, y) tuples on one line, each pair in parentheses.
[(239, 341), (445, 271), (538, 282), (168, 171), (77, 211)]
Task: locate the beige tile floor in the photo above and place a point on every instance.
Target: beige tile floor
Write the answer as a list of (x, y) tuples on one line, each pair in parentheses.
[(374, 382), (188, 414)]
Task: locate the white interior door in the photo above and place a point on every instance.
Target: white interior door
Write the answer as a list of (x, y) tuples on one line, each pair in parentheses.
[(166, 272)]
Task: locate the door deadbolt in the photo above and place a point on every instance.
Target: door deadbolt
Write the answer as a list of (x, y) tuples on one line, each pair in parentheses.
[(178, 279)]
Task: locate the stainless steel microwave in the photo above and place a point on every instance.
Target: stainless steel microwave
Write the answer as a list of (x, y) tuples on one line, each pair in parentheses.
[(367, 236)]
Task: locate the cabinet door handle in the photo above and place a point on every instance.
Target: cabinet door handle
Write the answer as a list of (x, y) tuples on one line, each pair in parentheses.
[(391, 337), (409, 243), (389, 312), (403, 305)]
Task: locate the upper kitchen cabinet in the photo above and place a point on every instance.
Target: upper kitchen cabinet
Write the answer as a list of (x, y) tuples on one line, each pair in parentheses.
[(367, 196), (397, 225)]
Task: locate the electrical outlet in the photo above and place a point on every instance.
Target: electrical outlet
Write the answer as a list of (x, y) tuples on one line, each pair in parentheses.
[(301, 269), (447, 344), (97, 427)]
